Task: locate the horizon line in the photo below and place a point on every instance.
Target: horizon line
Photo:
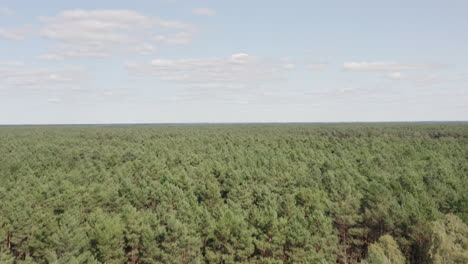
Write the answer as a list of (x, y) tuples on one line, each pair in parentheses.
[(234, 123)]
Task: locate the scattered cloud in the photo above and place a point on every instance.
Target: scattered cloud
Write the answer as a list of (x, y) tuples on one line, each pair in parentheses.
[(18, 76), (237, 70), (395, 76), (178, 38), (419, 80), (426, 80), (12, 34), (104, 33), (342, 92), (77, 50), (204, 11), (316, 67), (289, 66), (173, 24), (94, 26), (11, 64), (385, 66), (143, 49)]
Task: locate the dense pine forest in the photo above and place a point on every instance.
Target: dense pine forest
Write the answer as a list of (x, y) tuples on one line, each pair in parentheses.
[(295, 193)]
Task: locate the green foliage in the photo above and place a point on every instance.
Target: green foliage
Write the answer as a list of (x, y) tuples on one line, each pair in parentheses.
[(449, 241), (299, 193), (384, 251), (106, 235), (6, 257)]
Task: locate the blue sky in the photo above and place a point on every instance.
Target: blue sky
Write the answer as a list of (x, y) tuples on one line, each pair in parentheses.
[(232, 61)]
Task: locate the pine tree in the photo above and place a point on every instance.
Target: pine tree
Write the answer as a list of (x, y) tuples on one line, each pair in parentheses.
[(449, 241), (384, 251)]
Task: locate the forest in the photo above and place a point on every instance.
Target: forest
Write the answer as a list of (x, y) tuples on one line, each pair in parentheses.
[(385, 193)]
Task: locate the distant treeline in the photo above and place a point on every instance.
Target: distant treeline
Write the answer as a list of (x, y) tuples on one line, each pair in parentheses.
[(298, 193)]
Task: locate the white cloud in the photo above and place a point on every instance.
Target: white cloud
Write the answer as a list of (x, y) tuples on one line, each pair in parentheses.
[(24, 77), (385, 66), (51, 57), (290, 64), (12, 34), (204, 11), (78, 50), (395, 76), (316, 67), (54, 100), (241, 58), (5, 11), (178, 38), (11, 64), (103, 33), (143, 49), (95, 26), (238, 70), (419, 80), (173, 24)]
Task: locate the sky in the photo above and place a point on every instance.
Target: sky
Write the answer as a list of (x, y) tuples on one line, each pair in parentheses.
[(176, 61)]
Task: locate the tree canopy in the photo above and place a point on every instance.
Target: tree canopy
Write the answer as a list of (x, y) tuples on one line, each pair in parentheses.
[(297, 193)]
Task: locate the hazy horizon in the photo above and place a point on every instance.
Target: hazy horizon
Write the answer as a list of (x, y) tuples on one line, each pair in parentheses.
[(242, 123)]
